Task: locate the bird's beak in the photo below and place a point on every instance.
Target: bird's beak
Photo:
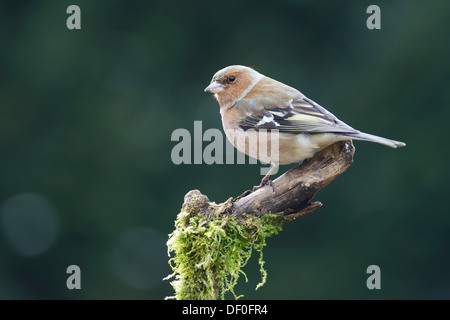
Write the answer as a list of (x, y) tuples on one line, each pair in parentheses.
[(215, 87)]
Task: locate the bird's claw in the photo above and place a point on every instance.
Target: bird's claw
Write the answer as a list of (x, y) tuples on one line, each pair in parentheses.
[(264, 182)]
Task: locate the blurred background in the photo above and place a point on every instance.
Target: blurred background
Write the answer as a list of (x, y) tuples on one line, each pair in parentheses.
[(86, 118)]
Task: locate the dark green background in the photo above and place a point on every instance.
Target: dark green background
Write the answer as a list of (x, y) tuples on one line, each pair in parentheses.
[(86, 118)]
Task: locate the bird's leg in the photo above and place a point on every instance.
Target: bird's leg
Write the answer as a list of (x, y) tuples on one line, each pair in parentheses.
[(266, 181)]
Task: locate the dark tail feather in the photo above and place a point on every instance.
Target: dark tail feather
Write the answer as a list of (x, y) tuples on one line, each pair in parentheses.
[(370, 137)]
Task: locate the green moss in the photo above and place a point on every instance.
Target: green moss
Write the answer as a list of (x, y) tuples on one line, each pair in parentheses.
[(209, 254)]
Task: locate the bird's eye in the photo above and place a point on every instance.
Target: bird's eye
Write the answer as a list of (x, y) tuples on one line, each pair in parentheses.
[(231, 79)]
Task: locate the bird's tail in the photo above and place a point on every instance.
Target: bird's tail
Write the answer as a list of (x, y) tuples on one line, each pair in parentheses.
[(370, 137)]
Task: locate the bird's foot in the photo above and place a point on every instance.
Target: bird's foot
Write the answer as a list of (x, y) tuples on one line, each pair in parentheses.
[(265, 182)]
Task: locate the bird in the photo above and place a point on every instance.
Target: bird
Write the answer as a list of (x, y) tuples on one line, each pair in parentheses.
[(253, 107)]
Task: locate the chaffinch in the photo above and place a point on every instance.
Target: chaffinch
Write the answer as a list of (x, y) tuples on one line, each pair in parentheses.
[(254, 106)]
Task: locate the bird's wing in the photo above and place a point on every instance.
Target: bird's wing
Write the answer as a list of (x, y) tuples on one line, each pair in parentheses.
[(299, 115)]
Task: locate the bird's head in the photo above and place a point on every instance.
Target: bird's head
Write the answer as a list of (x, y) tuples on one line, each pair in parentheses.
[(232, 83)]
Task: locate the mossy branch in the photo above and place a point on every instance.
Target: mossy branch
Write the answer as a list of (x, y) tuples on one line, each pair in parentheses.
[(213, 242)]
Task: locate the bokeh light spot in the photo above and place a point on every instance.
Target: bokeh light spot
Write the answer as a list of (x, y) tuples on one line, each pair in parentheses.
[(30, 223)]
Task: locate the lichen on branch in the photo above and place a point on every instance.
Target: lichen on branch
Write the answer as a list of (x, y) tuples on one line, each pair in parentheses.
[(210, 253)]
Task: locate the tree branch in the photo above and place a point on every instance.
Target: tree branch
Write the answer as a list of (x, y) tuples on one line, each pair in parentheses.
[(293, 190)]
